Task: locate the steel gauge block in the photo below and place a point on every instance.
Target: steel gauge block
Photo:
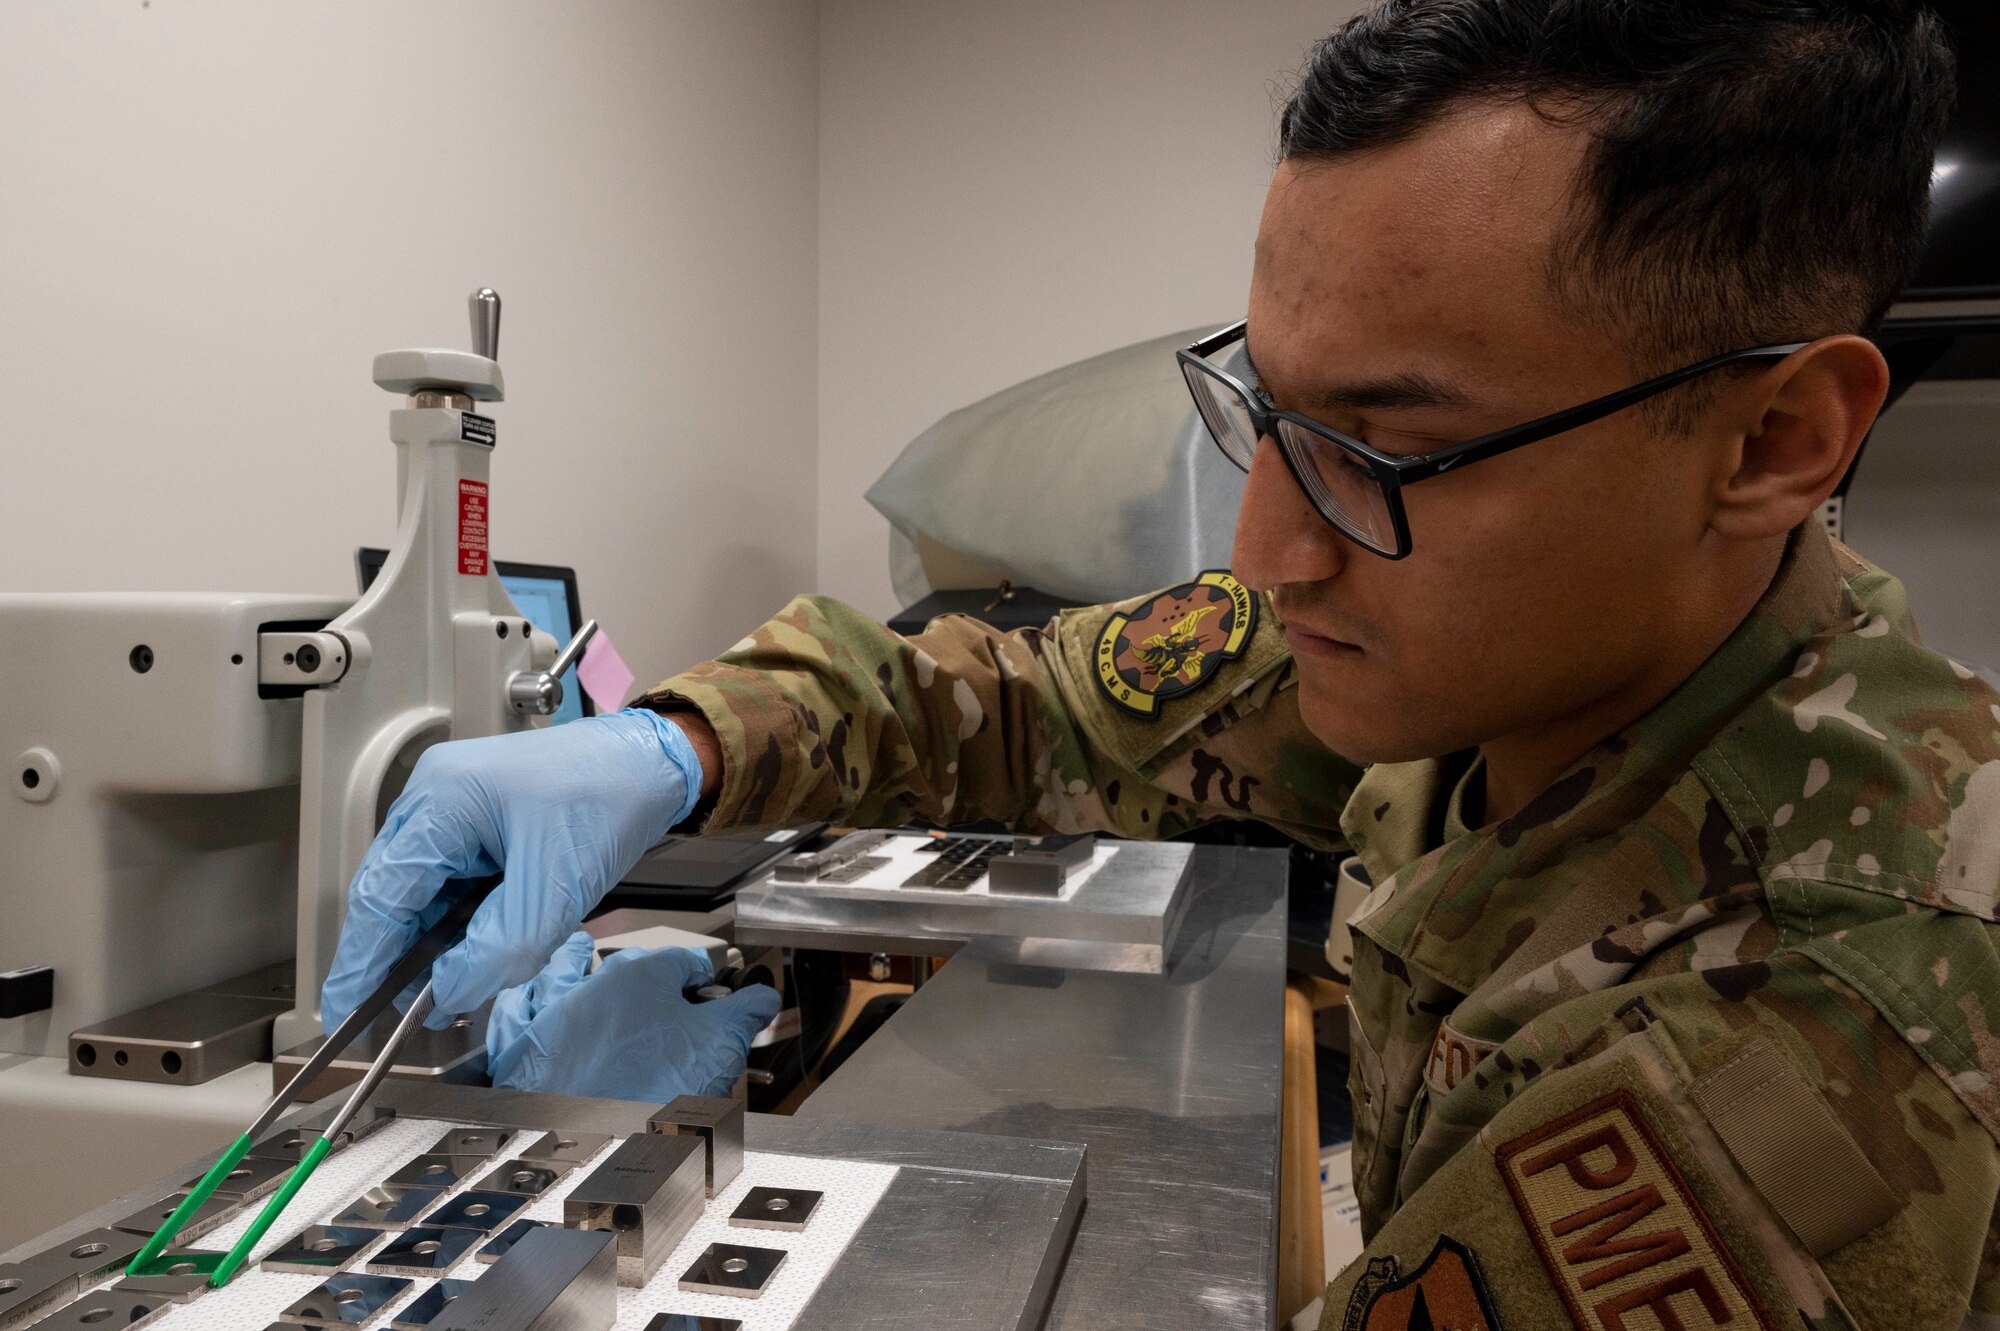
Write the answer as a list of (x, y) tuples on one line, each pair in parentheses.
[(730, 1268), (498, 1246), (147, 1221), (108, 1310), (345, 1300), (484, 1212), (718, 1121), (483, 1143), (552, 1280), (529, 1178), (433, 1171), (321, 1250), (388, 1208), (776, 1208), (567, 1147), (649, 1193), (424, 1252), (424, 1309)]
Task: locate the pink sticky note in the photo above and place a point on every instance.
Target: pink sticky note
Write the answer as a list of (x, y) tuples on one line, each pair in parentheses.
[(604, 674)]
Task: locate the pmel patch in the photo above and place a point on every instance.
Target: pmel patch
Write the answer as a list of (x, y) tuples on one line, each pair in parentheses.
[(1174, 643)]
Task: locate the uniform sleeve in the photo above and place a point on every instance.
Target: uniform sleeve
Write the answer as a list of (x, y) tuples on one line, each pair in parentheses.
[(1780, 1160), (823, 713)]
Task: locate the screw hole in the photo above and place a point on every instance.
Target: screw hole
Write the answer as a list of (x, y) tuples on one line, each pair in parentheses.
[(427, 1248), (89, 1250), (141, 658), (348, 1296), (92, 1316), (323, 1245), (121, 1058), (436, 1170), (182, 1268), (30, 777), (777, 1204), (86, 1054), (736, 1266), (236, 658), (500, 627), (288, 658), (170, 1063)]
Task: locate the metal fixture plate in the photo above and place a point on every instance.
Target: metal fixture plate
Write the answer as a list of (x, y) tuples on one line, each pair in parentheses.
[(388, 1208), (485, 1212), (564, 1147), (177, 1289), (249, 1181), (146, 1221), (456, 1054), (428, 1251), (776, 1208), (183, 1041), (345, 1300), (108, 1310), (433, 1171), (507, 1238), (484, 1143), (718, 1121), (424, 1309), (89, 1257), (319, 1250), (529, 1178), (689, 1322), (553, 1280), (733, 1269), (26, 1292), (276, 983), (182, 1262), (649, 1193)]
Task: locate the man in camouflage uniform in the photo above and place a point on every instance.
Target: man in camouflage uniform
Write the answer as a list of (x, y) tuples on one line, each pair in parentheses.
[(1671, 997)]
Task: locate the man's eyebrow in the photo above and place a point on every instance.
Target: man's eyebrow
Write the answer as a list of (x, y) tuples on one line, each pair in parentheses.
[(1406, 390)]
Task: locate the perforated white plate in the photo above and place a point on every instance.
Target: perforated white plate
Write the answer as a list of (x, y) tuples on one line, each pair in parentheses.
[(254, 1299)]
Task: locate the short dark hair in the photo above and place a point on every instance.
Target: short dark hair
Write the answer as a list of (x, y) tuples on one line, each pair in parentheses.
[(1760, 170)]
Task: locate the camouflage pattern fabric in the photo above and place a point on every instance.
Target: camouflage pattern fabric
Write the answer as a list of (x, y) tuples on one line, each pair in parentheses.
[(1738, 962)]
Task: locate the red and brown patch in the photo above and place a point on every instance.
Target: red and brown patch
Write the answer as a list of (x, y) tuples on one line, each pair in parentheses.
[(1447, 1293)]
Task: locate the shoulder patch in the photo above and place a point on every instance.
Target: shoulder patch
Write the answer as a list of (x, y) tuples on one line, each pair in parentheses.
[(1174, 643), (1447, 1293), (1616, 1225)]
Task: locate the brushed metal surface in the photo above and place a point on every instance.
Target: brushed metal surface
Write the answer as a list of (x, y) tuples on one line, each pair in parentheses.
[(529, 1178), (345, 1300), (499, 1245), (648, 1192), (483, 1212), (90, 1257), (146, 1221), (481, 1143), (718, 1121), (183, 1041), (455, 1054), (108, 1310), (320, 1250), (1122, 918), (426, 1251), (734, 1269), (424, 1309), (561, 1146), (26, 1292), (178, 1289), (434, 1171), (388, 1208), (552, 1280), (776, 1208), (1171, 1080), (251, 1180)]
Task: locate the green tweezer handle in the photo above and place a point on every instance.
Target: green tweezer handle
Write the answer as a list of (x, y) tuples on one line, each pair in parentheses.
[(193, 1202), (269, 1215)]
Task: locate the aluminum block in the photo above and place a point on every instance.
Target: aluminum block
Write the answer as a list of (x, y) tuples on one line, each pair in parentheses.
[(552, 1280), (718, 1121), (649, 1192)]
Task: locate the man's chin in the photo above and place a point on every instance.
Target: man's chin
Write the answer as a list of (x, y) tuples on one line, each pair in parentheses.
[(1368, 735)]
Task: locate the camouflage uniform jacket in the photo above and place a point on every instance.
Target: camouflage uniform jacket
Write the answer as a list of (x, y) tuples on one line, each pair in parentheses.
[(1698, 1038)]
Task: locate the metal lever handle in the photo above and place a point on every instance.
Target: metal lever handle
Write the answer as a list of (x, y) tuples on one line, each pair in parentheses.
[(541, 691), (485, 308)]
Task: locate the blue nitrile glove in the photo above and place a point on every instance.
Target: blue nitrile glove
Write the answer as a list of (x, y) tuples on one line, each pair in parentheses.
[(625, 1033), (563, 812)]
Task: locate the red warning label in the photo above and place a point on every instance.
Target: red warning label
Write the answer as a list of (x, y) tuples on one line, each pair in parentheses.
[(472, 527)]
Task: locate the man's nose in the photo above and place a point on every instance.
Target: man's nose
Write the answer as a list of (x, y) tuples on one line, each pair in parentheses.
[(1280, 536)]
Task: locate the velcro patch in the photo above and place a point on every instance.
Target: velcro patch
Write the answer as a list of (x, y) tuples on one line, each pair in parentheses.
[(1621, 1234), (1446, 1293), (1453, 1057), (1173, 643)]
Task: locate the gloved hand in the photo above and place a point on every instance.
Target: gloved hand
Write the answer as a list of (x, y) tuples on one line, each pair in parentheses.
[(625, 1033), (564, 812)]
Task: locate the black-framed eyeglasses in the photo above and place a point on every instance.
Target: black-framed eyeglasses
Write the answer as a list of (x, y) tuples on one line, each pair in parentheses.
[(1359, 489)]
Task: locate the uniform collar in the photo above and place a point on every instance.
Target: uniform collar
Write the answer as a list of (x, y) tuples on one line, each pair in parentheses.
[(1433, 888)]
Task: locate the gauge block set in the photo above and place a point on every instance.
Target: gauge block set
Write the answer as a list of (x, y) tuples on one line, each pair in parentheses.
[(1012, 866), (621, 1221)]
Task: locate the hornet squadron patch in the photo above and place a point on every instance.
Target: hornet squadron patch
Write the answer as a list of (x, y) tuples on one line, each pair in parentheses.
[(1447, 1293), (1174, 643)]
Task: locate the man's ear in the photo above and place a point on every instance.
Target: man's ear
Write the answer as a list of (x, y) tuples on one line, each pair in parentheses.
[(1795, 429)]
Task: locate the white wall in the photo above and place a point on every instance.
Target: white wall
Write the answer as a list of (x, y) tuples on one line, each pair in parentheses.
[(1005, 188), (215, 212)]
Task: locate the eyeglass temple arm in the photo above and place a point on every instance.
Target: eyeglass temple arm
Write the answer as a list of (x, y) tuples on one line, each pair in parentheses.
[(1472, 450)]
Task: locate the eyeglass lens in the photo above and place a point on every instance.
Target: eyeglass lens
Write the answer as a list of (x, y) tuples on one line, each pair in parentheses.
[(1339, 484)]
